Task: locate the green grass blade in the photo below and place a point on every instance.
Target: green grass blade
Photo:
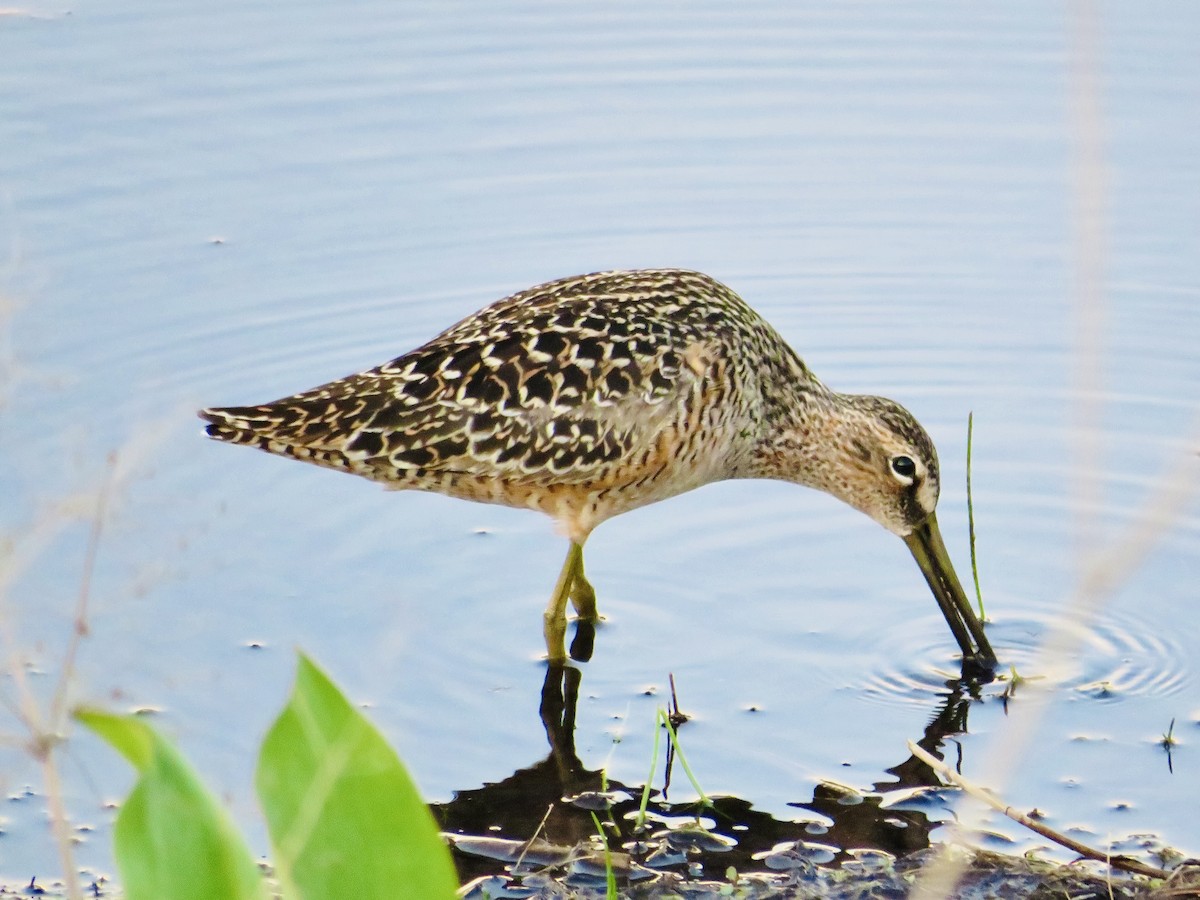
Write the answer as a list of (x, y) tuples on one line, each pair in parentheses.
[(610, 876), (666, 720), (640, 821), (971, 517), (172, 841), (344, 817)]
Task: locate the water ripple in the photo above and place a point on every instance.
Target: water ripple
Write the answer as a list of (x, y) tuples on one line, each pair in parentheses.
[(1118, 656)]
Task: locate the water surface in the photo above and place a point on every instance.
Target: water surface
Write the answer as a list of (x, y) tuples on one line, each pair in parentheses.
[(225, 203)]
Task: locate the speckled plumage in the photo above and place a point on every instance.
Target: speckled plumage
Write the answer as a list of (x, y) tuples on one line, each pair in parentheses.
[(589, 396), (583, 398)]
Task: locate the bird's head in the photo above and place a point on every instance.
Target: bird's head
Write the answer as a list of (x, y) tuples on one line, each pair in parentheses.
[(885, 465), (871, 453)]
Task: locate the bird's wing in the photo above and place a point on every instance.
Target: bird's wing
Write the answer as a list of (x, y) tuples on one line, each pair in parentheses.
[(558, 383), (532, 406)]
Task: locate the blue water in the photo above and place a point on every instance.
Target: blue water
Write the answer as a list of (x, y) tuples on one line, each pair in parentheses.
[(223, 203)]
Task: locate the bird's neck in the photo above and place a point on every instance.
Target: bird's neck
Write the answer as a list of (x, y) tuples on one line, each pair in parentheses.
[(793, 440), (816, 441)]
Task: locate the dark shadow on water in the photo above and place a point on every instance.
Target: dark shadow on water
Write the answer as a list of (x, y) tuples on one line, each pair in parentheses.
[(554, 800)]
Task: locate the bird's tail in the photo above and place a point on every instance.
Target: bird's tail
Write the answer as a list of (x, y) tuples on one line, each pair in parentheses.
[(274, 430), (250, 425)]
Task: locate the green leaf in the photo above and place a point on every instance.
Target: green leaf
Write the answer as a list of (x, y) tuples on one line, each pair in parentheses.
[(345, 819), (172, 840)]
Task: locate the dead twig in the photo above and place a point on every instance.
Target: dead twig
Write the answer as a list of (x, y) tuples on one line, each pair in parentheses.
[(81, 628), (45, 734), (1124, 863), (532, 838)]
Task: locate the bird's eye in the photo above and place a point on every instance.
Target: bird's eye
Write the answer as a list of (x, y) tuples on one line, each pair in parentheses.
[(904, 466)]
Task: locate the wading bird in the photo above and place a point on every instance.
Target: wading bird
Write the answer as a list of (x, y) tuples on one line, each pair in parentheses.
[(590, 396)]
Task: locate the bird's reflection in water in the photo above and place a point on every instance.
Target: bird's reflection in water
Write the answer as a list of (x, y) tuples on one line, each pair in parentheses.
[(554, 801)]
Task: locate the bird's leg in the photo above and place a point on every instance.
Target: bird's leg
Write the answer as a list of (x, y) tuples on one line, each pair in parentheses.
[(554, 620), (583, 595)]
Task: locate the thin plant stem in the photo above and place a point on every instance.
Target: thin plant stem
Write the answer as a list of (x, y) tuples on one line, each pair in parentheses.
[(666, 720), (58, 821), (971, 517), (610, 875), (529, 843), (43, 739), (640, 821), (80, 625)]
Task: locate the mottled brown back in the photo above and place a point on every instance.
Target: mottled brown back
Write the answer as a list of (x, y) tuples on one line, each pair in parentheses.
[(556, 384)]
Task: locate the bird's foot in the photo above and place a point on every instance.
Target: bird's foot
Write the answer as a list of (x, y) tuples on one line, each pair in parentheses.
[(583, 598), (979, 668)]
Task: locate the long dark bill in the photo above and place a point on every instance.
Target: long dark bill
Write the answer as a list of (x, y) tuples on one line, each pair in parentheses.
[(927, 548)]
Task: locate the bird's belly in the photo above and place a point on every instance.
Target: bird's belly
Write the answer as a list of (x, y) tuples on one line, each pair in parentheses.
[(578, 506)]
